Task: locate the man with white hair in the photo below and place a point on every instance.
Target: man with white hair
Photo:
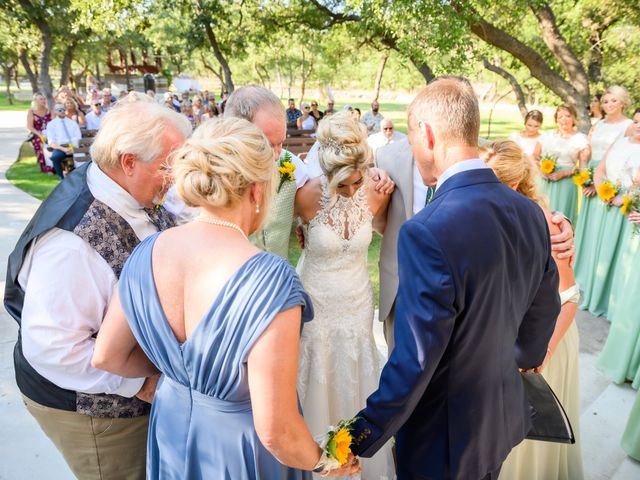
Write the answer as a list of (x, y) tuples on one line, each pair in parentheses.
[(385, 136), (373, 118), (61, 277)]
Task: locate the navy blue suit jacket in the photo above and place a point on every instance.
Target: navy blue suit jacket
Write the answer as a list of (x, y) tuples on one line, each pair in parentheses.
[(478, 298)]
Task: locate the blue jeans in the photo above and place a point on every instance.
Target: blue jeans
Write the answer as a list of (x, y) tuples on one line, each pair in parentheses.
[(57, 157)]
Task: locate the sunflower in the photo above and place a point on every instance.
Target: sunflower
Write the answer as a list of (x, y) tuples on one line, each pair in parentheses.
[(343, 441), (547, 165), (607, 191), (627, 204), (581, 178)]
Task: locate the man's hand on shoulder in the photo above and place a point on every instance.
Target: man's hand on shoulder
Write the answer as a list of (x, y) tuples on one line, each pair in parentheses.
[(563, 242)]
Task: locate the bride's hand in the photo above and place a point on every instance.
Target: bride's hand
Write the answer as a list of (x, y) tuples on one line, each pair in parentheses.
[(382, 181), (351, 467)]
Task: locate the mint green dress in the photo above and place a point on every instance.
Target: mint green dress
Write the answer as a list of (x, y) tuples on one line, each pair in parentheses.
[(620, 357), (588, 230), (562, 196), (621, 160), (631, 436)]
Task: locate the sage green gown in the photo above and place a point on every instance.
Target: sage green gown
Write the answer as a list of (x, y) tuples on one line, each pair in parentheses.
[(535, 460), (562, 196), (588, 230), (631, 436), (621, 160)]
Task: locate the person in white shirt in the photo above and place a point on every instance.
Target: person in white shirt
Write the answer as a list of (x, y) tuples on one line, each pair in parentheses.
[(63, 135), (386, 136), (95, 116), (63, 273), (373, 118), (107, 100)]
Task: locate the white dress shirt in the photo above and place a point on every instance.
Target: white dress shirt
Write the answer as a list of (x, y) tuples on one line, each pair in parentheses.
[(93, 120), (378, 140), (419, 190), (465, 165), (68, 287), (63, 130)]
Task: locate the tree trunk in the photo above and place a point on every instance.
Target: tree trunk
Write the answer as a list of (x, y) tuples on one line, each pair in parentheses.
[(45, 58), (65, 69), (228, 78), (517, 89), (217, 73), (378, 81), (424, 69), (126, 72), (7, 75), (15, 76), (98, 79), (33, 79)]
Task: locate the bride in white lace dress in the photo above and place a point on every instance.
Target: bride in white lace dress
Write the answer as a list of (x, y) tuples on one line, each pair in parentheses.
[(339, 364)]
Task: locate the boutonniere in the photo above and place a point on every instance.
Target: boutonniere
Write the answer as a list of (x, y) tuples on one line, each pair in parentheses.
[(286, 168)]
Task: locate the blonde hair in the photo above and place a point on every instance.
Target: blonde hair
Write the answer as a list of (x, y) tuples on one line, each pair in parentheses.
[(135, 126), (73, 102), (221, 161), (621, 94), (34, 100), (512, 167), (343, 148), (450, 106)]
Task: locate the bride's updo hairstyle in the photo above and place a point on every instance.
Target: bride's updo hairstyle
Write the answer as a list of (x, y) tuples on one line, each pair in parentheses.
[(220, 162), (512, 167), (343, 148)]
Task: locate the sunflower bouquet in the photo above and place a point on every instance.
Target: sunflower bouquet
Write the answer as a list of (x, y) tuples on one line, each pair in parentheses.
[(631, 203), (583, 178), (548, 164), (286, 167), (607, 191), (337, 444)]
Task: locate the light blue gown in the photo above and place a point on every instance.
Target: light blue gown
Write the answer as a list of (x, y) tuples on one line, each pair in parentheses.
[(201, 423)]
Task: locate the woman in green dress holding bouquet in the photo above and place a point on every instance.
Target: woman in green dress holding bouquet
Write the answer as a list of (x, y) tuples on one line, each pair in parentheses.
[(612, 179), (589, 228), (620, 357), (558, 153)]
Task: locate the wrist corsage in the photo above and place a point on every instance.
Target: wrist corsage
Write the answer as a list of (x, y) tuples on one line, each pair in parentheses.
[(336, 446)]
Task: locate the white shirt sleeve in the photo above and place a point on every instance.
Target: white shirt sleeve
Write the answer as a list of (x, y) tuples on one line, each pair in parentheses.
[(301, 173), (313, 161), (75, 133), (68, 287)]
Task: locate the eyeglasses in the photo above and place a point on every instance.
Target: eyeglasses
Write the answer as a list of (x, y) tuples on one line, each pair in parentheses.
[(61, 109), (307, 108), (387, 128), (314, 104)]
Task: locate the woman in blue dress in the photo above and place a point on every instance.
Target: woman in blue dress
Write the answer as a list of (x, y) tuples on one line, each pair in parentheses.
[(220, 320)]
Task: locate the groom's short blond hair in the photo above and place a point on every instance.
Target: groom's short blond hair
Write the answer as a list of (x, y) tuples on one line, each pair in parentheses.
[(450, 106)]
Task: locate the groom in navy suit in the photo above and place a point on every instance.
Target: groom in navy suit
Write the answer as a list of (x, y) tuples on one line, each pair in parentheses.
[(478, 299)]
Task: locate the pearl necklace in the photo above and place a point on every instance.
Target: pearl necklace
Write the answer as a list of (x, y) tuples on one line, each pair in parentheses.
[(221, 223)]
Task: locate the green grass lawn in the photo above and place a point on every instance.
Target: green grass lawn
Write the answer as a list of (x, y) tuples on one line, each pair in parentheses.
[(18, 105), (26, 175)]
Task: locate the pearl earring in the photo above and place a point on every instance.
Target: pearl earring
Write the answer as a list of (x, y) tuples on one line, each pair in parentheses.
[(257, 208)]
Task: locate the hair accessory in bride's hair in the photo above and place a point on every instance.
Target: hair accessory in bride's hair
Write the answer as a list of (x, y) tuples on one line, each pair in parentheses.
[(330, 143)]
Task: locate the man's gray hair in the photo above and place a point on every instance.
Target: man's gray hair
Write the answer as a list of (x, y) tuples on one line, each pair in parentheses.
[(245, 102), (135, 125)]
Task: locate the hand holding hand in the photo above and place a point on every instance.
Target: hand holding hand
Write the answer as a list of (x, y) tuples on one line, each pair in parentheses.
[(148, 389), (563, 242), (617, 201), (589, 191), (634, 217), (383, 183), (300, 236), (351, 467)]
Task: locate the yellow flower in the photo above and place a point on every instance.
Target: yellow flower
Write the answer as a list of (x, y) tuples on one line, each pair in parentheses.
[(547, 166), (626, 204), (343, 445), (581, 177), (606, 191)]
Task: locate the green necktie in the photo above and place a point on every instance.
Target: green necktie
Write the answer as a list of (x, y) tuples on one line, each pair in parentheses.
[(429, 197)]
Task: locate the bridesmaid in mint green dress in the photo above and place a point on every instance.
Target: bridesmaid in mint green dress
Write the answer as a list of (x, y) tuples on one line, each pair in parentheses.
[(589, 227), (618, 168), (620, 357), (568, 147)]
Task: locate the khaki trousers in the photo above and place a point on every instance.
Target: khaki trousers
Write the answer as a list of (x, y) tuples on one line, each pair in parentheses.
[(96, 448)]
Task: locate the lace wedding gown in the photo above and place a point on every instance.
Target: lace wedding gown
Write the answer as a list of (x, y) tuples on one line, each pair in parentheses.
[(339, 364)]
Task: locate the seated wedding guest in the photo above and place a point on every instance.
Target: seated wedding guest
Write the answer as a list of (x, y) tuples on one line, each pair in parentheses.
[(95, 116), (357, 114), (210, 111), (329, 110), (317, 114), (528, 138), (306, 121), (186, 109), (292, 114), (73, 113), (385, 136), (563, 150), (61, 277), (78, 99), (226, 406), (107, 100), (595, 109), (62, 94), (63, 135), (535, 460), (373, 118), (197, 107), (38, 118)]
